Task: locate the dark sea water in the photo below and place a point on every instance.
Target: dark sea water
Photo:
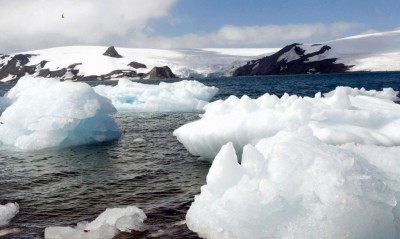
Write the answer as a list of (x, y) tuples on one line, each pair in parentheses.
[(65, 186)]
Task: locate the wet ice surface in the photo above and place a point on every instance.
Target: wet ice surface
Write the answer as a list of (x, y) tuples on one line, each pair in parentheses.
[(64, 187)]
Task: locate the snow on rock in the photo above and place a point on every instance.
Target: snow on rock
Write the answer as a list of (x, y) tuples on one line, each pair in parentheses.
[(368, 52), (344, 115), (44, 113), (106, 226), (164, 97), (8, 212), (293, 185), (183, 62)]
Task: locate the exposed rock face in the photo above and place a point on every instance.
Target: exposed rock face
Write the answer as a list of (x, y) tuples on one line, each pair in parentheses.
[(159, 73), (13, 67), (111, 52), (119, 74), (137, 65), (294, 59)]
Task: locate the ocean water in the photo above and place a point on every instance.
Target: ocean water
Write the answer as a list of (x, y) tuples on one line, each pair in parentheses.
[(156, 173)]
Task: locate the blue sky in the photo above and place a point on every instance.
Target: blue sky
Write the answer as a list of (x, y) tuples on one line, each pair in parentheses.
[(27, 24), (209, 15)]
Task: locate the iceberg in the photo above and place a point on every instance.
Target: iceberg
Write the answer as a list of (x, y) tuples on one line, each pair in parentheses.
[(345, 115), (293, 185), (165, 97), (106, 226), (8, 212), (298, 167), (43, 113)]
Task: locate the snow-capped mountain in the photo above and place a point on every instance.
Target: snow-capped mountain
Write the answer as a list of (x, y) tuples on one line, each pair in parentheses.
[(99, 63), (294, 59), (368, 52)]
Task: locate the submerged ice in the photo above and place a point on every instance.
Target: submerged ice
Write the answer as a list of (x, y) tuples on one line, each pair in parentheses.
[(165, 97), (342, 116), (106, 226), (320, 167), (43, 113), (8, 212)]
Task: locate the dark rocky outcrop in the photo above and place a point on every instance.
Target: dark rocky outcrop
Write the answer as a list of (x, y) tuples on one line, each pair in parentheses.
[(293, 59), (119, 74), (137, 65), (160, 73), (16, 66), (52, 74), (13, 67), (111, 52)]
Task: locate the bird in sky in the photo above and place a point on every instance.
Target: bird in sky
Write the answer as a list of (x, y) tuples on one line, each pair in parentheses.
[(62, 15)]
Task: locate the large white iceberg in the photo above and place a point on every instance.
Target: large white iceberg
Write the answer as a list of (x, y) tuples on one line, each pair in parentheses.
[(311, 167), (45, 113), (342, 116), (293, 185), (106, 226), (165, 97), (8, 212)]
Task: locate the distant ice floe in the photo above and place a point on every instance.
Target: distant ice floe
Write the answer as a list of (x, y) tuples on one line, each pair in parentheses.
[(8, 212), (344, 115), (42, 113), (165, 97), (106, 226), (321, 167)]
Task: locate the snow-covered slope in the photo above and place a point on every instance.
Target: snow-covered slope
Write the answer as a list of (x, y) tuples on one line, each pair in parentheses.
[(90, 61), (369, 52)]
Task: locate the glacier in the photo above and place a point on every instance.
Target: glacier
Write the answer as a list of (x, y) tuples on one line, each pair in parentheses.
[(165, 97), (8, 212), (345, 115), (106, 226), (44, 113)]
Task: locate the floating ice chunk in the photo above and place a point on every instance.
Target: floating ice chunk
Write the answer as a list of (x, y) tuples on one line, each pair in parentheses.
[(8, 212), (106, 226), (139, 140), (165, 97), (47, 113), (342, 116), (293, 185)]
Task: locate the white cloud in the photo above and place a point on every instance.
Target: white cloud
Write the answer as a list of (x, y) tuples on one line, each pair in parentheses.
[(35, 24), (251, 36), (28, 25)]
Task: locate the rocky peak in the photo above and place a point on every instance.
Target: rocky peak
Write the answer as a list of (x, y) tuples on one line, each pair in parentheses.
[(137, 65), (111, 52), (163, 72), (294, 59)]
